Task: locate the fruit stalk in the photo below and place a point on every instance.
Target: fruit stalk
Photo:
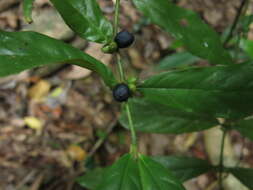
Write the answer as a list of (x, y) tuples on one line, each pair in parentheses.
[(120, 68), (122, 78), (116, 18), (131, 126), (235, 22), (221, 164)]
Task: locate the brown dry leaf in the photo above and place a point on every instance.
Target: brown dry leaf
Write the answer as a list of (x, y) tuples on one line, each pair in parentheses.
[(212, 139), (42, 23), (76, 153), (137, 59), (94, 50), (10, 81), (190, 140), (40, 3), (33, 123), (39, 90), (10, 19), (4, 4), (76, 73), (38, 181)]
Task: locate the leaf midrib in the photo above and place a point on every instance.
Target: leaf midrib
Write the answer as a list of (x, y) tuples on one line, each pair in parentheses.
[(195, 89)]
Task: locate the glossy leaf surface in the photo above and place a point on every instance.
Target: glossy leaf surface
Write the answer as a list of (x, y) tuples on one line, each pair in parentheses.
[(25, 50), (219, 91), (27, 9), (136, 174), (157, 118), (184, 168), (181, 59), (85, 18), (185, 25), (245, 175)]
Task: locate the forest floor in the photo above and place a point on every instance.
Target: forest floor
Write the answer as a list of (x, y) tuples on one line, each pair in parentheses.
[(53, 118)]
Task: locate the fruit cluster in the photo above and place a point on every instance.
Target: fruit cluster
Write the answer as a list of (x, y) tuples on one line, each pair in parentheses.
[(122, 92)]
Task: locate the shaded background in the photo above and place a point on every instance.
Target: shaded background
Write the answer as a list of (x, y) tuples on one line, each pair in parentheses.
[(53, 118)]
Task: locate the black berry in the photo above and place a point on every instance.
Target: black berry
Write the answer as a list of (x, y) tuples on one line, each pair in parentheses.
[(124, 39), (121, 92)]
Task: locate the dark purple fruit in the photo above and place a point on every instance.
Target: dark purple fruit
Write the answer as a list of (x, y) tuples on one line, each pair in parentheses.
[(124, 39), (121, 92)]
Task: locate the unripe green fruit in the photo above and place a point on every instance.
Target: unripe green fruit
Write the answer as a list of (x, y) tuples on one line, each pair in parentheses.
[(110, 48)]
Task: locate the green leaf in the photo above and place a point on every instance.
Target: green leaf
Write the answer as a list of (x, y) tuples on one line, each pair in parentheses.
[(184, 168), (25, 50), (138, 173), (245, 127), (245, 175), (219, 91), (185, 25), (155, 176), (247, 46), (27, 9), (245, 22), (121, 175), (181, 59), (86, 19), (157, 118), (92, 178)]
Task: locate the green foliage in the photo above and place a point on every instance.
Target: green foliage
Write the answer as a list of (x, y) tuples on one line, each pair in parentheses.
[(157, 118), (184, 168), (26, 50), (27, 9), (245, 127), (179, 101), (245, 22), (247, 46), (245, 175), (92, 178), (185, 25), (154, 176), (216, 91), (86, 19), (181, 59), (132, 173)]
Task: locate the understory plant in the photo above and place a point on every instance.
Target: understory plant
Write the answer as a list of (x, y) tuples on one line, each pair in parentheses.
[(182, 98)]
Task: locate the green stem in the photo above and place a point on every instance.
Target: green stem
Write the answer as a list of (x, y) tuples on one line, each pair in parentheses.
[(122, 79), (116, 18), (120, 68), (221, 166), (235, 22), (131, 126)]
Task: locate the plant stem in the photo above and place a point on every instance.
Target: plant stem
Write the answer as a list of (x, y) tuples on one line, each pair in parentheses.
[(221, 166), (131, 126), (235, 22), (115, 31), (122, 79), (120, 68), (116, 18)]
